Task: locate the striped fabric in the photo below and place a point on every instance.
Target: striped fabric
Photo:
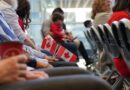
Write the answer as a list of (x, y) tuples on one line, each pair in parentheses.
[(3, 38), (6, 33)]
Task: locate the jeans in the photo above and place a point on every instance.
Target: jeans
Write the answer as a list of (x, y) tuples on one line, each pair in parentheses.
[(83, 51), (71, 47)]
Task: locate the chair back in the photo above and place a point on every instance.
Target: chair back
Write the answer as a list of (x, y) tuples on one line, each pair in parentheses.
[(96, 37), (104, 39), (115, 28), (112, 44), (90, 38), (124, 33)]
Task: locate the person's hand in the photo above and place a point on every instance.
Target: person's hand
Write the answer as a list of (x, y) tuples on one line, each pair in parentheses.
[(52, 59), (70, 34), (43, 64), (31, 75), (51, 33), (66, 38), (13, 69)]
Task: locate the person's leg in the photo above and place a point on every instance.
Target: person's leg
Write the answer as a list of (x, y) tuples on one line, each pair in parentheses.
[(71, 47), (84, 53), (77, 42), (74, 82)]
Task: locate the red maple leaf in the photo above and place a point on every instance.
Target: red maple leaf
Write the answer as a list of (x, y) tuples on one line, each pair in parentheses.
[(48, 45), (66, 55)]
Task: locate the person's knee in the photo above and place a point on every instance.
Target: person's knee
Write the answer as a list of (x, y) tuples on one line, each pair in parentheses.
[(72, 46), (77, 42)]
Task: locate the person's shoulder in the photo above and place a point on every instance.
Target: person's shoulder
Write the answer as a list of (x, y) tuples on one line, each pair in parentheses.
[(116, 16), (121, 14), (4, 5), (103, 14), (47, 22), (101, 18)]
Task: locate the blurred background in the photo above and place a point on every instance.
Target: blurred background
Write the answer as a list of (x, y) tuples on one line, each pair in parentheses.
[(76, 12)]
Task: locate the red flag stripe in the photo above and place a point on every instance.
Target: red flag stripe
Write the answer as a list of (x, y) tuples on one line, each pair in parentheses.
[(48, 40), (60, 51), (44, 43), (73, 59), (53, 48)]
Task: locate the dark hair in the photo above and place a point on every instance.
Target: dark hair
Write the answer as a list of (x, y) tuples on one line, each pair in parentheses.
[(87, 23), (56, 17), (58, 10), (121, 5), (23, 11)]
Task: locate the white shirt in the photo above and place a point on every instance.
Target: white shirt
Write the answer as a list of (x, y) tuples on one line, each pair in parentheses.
[(46, 27), (12, 19)]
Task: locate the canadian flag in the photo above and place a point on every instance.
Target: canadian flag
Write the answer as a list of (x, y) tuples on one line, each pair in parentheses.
[(66, 54), (49, 44)]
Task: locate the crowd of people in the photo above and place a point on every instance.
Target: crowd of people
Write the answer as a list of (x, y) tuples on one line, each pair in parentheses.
[(49, 71)]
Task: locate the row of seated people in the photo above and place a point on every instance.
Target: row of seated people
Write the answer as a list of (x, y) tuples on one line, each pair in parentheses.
[(14, 73), (56, 27), (57, 21), (114, 40)]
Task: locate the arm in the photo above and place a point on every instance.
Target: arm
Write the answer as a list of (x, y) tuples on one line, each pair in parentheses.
[(34, 53), (12, 19), (29, 42), (37, 54)]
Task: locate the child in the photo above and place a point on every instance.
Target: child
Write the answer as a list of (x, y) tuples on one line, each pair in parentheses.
[(56, 28)]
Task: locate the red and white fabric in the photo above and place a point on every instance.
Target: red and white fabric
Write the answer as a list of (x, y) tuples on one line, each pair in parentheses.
[(49, 44), (66, 54)]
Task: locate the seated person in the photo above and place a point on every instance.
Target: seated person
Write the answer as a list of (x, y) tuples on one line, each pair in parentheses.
[(10, 17), (15, 76), (6, 31), (56, 28), (72, 46), (61, 37)]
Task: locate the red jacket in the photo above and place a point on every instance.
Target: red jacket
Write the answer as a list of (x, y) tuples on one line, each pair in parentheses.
[(116, 16), (119, 62), (57, 30)]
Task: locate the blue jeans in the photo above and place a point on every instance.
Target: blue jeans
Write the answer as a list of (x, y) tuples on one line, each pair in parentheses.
[(70, 46)]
